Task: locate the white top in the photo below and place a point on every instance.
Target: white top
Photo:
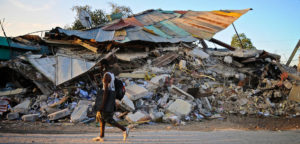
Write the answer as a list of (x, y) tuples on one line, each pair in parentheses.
[(111, 85)]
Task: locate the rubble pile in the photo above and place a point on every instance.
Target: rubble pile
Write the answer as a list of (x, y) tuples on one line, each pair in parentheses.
[(169, 73), (174, 87)]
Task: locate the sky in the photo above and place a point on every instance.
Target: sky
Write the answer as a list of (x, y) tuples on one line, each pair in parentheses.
[(272, 25)]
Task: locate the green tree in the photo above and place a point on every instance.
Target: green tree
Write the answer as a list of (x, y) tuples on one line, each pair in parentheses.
[(122, 11), (247, 44), (98, 17)]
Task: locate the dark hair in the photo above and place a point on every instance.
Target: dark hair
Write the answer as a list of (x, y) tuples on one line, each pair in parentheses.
[(104, 62)]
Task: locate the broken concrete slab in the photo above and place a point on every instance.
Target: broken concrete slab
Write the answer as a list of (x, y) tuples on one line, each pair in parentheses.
[(23, 107), (295, 93), (131, 56), (163, 101), (59, 114), (85, 102), (80, 113), (228, 59), (127, 104), (13, 116), (13, 92), (156, 116), (159, 80), (182, 92), (132, 75), (30, 117), (171, 118), (137, 117), (164, 60), (242, 101), (180, 107), (198, 53), (287, 84), (135, 92)]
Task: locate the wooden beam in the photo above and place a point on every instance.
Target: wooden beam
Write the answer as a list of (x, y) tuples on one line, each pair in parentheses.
[(222, 44), (79, 42)]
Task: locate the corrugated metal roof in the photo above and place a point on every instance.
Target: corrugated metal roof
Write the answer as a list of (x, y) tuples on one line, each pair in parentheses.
[(153, 17), (157, 31), (103, 35), (88, 34), (15, 45), (123, 23), (206, 24), (163, 26)]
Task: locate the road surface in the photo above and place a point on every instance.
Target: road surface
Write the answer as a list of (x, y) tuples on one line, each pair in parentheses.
[(163, 137)]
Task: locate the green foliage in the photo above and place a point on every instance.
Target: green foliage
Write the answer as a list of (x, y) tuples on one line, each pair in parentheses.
[(124, 10), (247, 44), (98, 16)]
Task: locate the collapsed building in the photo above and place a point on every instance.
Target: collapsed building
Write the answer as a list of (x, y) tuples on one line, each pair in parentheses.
[(169, 73)]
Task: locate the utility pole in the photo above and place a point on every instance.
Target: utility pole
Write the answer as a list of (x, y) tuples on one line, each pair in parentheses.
[(238, 36), (293, 54)]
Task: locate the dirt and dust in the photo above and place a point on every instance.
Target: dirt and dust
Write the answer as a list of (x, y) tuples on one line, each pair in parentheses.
[(230, 122)]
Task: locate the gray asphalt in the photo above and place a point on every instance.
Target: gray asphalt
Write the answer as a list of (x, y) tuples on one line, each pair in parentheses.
[(163, 137)]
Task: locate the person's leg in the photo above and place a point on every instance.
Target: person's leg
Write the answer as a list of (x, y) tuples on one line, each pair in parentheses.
[(102, 128), (109, 119)]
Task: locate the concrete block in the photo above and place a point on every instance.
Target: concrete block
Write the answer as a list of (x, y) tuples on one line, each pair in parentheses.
[(295, 93), (156, 116), (137, 116), (30, 117), (13, 116), (228, 59), (180, 107), (59, 114), (288, 84), (242, 101), (182, 92), (199, 53), (85, 102), (135, 92), (171, 118), (80, 113), (159, 80), (23, 107), (127, 104)]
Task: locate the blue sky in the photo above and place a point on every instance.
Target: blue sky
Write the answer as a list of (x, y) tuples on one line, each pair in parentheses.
[(272, 25)]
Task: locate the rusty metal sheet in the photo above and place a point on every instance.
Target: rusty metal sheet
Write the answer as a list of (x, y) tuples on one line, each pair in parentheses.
[(123, 23), (207, 23), (165, 59), (171, 29), (153, 17)]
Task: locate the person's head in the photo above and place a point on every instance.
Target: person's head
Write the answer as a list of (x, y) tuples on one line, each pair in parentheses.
[(104, 64)]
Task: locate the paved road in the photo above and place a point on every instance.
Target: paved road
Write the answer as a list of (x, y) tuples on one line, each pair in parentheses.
[(163, 137)]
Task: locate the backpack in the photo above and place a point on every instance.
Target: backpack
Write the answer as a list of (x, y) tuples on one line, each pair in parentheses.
[(119, 89)]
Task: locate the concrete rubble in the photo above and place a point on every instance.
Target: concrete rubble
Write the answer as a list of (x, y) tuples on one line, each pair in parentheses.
[(163, 86)]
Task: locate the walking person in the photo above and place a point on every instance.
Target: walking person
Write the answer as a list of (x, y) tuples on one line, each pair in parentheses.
[(106, 107)]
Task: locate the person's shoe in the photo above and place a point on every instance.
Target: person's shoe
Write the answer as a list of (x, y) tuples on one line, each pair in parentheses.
[(98, 139), (125, 134)]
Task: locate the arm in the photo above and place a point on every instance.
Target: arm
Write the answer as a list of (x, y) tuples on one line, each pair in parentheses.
[(106, 80)]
